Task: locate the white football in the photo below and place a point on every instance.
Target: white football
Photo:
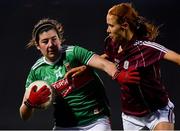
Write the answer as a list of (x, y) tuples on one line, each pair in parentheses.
[(39, 84)]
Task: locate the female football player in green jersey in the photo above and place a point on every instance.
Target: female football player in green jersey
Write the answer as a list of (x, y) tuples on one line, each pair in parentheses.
[(81, 103)]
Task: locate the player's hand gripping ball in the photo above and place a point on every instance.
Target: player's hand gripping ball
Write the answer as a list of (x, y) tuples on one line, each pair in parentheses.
[(39, 95)]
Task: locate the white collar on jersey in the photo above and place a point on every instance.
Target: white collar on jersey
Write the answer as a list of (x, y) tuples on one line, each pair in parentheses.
[(52, 63)]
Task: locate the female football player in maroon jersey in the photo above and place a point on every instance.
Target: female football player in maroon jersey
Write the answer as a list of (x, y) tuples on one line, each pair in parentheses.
[(131, 45)]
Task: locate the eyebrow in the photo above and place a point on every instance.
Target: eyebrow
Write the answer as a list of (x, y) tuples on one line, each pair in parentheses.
[(49, 38)]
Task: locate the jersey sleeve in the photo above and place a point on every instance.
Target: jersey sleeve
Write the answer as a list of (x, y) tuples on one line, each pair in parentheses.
[(30, 78), (151, 53), (82, 54)]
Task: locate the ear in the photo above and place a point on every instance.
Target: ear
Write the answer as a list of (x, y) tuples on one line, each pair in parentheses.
[(37, 46), (125, 26)]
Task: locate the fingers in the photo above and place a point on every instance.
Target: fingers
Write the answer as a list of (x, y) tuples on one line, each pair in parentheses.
[(77, 74), (133, 82), (43, 88), (134, 74), (135, 79), (44, 91), (34, 88), (70, 73), (75, 71), (45, 99), (132, 68)]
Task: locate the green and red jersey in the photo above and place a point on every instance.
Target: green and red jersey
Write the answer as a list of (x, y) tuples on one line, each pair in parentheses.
[(84, 104)]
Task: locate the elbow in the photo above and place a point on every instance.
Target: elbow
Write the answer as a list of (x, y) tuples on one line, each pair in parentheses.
[(23, 117), (24, 114)]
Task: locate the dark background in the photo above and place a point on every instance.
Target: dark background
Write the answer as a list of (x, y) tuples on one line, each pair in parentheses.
[(84, 22)]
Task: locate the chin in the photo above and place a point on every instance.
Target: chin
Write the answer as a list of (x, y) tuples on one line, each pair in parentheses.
[(52, 57), (115, 40)]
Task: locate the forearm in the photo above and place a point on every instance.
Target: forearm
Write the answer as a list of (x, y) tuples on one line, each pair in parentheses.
[(103, 64), (25, 112), (172, 56), (109, 68)]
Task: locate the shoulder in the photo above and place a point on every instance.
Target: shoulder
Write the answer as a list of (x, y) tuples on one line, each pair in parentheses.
[(73, 49), (38, 63), (69, 48), (152, 45), (66, 48)]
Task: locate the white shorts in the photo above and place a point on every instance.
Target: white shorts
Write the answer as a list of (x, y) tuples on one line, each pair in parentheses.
[(101, 124), (165, 114)]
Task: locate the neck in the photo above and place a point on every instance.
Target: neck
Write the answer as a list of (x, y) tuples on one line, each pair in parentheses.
[(48, 61), (129, 35)]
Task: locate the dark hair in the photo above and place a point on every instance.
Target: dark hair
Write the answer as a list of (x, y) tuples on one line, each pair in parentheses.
[(45, 25), (141, 26)]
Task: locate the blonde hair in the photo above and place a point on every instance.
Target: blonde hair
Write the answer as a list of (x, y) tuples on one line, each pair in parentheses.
[(45, 25), (141, 26)]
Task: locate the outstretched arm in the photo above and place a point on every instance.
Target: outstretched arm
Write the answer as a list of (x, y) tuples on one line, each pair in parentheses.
[(76, 71), (100, 63), (129, 76), (172, 56)]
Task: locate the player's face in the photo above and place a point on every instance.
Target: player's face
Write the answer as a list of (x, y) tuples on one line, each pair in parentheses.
[(49, 45), (115, 30)]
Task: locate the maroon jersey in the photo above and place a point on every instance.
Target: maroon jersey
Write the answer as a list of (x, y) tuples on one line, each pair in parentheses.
[(150, 95)]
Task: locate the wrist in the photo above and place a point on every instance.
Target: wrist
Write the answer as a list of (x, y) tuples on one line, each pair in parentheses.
[(29, 105), (115, 75)]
